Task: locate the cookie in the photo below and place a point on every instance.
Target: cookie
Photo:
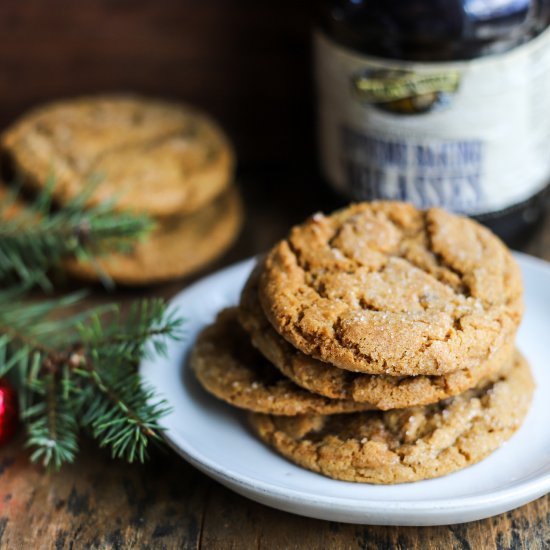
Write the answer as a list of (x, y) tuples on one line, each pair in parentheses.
[(177, 247), (228, 367), (406, 444), (153, 156), (384, 288), (380, 390)]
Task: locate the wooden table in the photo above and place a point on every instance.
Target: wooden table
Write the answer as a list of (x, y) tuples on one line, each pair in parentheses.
[(100, 503)]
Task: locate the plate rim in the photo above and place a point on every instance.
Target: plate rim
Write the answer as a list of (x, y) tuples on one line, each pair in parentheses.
[(520, 492)]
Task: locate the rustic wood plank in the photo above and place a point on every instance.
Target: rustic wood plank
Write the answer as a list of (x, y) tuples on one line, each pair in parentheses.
[(234, 522), (99, 503)]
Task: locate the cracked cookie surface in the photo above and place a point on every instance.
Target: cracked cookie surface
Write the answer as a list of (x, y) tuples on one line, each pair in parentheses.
[(380, 390), (227, 366), (408, 444), (149, 156), (384, 288), (176, 247)]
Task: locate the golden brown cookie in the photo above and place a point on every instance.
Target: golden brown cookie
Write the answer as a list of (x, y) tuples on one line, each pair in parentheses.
[(384, 288), (154, 156), (228, 367), (406, 444), (177, 247), (380, 390)]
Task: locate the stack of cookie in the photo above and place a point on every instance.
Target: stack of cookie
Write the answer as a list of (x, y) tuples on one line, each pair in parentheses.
[(376, 345), (162, 159)]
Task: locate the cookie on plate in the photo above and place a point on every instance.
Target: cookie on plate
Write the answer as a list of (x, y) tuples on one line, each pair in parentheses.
[(153, 156), (177, 247), (406, 445), (227, 366), (380, 390), (384, 288)]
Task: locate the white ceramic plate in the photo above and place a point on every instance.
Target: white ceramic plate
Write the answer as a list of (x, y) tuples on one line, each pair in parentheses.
[(215, 438)]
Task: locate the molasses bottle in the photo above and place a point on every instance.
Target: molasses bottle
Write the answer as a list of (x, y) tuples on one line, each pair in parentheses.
[(438, 102)]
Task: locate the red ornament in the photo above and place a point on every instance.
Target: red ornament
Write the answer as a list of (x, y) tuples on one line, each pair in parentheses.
[(9, 416)]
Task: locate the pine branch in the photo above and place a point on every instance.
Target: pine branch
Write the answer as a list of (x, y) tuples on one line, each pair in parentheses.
[(123, 414), (79, 371), (37, 237), (147, 321), (76, 371), (52, 427), (28, 333)]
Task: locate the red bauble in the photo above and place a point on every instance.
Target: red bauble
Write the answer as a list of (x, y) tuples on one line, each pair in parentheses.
[(9, 416)]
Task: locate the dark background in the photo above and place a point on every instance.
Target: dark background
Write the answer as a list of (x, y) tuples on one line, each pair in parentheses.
[(247, 63)]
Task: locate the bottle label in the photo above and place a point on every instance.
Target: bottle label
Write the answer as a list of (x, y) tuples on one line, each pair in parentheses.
[(470, 136)]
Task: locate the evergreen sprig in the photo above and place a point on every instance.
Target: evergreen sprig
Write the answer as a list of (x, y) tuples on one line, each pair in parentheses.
[(38, 236), (78, 371)]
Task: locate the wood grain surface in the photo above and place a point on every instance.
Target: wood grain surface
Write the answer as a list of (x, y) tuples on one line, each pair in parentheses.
[(100, 503)]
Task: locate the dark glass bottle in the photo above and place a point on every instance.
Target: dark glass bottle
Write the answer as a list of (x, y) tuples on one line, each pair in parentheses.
[(440, 102)]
